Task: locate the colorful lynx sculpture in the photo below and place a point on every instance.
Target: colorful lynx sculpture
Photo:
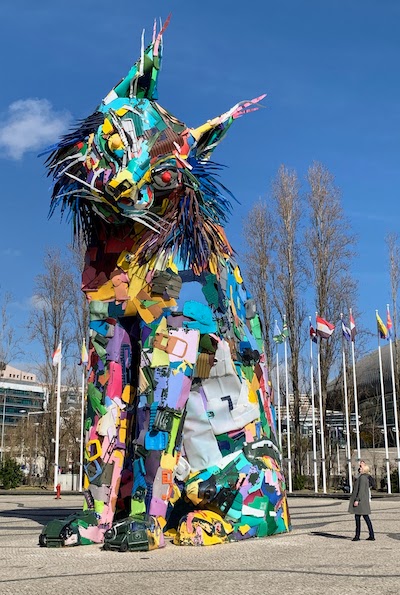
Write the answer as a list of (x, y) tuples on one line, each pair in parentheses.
[(180, 429)]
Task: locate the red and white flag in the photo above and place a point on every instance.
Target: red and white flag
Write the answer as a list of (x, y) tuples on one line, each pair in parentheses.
[(57, 355), (353, 330), (324, 328)]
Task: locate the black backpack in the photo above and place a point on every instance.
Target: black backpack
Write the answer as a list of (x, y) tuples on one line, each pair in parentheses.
[(372, 482)]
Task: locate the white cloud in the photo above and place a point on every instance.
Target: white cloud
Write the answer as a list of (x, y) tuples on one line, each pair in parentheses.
[(37, 302), (29, 125), (34, 302)]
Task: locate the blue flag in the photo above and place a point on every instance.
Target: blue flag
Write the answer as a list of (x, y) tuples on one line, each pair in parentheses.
[(346, 332)]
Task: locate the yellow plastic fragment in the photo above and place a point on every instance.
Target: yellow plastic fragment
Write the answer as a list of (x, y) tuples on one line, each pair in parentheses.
[(162, 521), (97, 454), (237, 275), (105, 293), (107, 127), (115, 142), (213, 264)]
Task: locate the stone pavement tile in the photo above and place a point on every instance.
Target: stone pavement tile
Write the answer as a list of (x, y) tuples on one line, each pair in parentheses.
[(317, 557)]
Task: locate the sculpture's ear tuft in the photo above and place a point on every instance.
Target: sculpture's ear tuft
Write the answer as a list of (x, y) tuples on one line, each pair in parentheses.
[(208, 135), (79, 133), (141, 81)]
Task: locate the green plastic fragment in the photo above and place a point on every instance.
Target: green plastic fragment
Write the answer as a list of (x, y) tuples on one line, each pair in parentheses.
[(256, 331), (85, 541), (98, 506), (263, 418), (248, 371), (262, 530), (95, 397), (137, 507), (210, 290), (252, 521)]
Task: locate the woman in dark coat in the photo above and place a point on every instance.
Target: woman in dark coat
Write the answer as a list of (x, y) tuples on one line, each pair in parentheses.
[(359, 502)]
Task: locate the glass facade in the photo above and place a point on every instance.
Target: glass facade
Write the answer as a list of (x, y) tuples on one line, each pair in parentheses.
[(17, 400)]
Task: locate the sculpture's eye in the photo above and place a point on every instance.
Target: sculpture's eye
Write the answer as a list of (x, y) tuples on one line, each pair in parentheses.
[(164, 177), (126, 200)]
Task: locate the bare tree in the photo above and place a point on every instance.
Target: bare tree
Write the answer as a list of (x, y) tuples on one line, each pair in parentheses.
[(51, 321), (289, 282), (258, 231), (392, 242), (79, 302), (330, 247), (70, 423), (9, 344)]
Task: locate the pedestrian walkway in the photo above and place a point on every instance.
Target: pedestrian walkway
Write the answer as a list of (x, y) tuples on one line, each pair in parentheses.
[(317, 557)]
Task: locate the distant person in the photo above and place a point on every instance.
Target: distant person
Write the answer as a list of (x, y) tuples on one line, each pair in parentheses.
[(359, 504), (344, 484)]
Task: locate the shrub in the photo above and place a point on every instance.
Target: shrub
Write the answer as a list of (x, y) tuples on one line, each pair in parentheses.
[(299, 482), (10, 474), (394, 480)]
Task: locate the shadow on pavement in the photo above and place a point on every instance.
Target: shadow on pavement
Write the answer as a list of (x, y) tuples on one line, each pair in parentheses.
[(39, 515), (329, 535)]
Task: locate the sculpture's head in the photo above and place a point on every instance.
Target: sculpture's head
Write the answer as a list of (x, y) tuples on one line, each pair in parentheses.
[(131, 161)]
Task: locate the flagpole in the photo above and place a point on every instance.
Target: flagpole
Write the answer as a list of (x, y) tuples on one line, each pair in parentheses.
[(314, 437), (82, 427), (396, 419), (58, 407), (346, 407), (389, 487), (288, 414), (321, 417), (278, 391), (355, 396)]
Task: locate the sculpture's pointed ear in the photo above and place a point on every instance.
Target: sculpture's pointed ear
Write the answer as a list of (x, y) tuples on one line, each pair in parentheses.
[(141, 80), (208, 135)]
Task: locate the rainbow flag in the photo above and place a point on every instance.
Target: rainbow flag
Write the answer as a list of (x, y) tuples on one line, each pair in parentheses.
[(389, 324)]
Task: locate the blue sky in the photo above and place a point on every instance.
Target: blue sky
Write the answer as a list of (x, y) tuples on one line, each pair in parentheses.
[(330, 71)]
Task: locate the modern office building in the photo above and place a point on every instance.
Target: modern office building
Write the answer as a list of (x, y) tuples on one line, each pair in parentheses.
[(20, 394)]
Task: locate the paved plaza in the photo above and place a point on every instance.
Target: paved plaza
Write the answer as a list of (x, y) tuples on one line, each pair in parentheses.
[(317, 557)]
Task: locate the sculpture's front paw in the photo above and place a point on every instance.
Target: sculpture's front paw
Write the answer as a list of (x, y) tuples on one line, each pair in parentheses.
[(202, 527), (135, 533)]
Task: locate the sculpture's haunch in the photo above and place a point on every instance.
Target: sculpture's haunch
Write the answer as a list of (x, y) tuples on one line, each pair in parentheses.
[(179, 426)]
